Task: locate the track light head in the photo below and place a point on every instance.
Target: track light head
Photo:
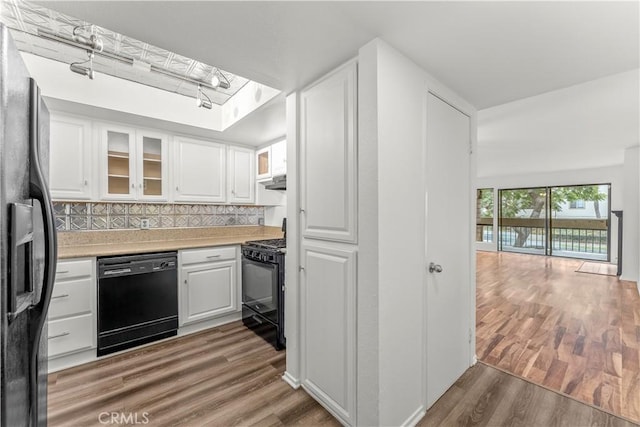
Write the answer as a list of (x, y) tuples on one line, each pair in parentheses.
[(203, 103), (202, 100), (82, 70), (216, 82)]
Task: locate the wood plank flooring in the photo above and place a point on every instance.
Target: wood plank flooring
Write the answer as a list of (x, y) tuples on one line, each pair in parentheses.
[(598, 268), (485, 396), (571, 332), (228, 376), (220, 377)]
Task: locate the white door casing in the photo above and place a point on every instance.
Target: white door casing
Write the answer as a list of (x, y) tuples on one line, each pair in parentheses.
[(447, 245)]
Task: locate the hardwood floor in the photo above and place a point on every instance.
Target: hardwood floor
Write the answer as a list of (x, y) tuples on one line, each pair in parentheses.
[(220, 377), (228, 376), (571, 332), (485, 396)]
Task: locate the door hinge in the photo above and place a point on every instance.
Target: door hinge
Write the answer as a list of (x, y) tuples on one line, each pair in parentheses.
[(470, 335)]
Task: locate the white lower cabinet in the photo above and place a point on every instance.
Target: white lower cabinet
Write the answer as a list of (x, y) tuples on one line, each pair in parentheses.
[(209, 283), (72, 311), (327, 285), (71, 335)]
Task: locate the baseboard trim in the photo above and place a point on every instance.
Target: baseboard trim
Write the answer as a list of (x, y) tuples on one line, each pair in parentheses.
[(415, 418), (289, 379)]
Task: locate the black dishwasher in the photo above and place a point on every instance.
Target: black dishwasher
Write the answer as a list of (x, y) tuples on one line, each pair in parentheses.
[(137, 300)]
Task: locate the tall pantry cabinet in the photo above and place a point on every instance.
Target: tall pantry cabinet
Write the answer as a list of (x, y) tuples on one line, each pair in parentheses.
[(328, 202)]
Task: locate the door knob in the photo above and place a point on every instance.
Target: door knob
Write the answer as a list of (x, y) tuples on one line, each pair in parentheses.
[(435, 268)]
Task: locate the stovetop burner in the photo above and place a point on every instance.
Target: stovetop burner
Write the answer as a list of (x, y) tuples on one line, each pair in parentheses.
[(269, 244)]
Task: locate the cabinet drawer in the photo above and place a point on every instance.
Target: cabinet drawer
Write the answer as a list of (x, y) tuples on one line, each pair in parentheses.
[(69, 335), (74, 268), (71, 297), (194, 256)]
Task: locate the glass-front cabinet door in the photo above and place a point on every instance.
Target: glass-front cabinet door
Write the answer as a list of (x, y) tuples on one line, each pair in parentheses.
[(118, 164), (134, 164), (152, 166)]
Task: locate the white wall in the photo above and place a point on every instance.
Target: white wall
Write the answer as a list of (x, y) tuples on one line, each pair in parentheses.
[(401, 201), (583, 126), (631, 213), (273, 215), (392, 93), (368, 364), (253, 95), (56, 81)]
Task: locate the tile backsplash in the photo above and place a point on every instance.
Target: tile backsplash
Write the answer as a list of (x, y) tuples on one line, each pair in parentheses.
[(81, 216)]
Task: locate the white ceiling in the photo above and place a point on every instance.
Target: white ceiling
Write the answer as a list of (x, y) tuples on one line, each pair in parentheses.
[(489, 52)]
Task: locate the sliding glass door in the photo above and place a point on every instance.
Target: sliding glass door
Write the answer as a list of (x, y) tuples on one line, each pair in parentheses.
[(579, 221), (523, 220), (484, 215), (568, 221)]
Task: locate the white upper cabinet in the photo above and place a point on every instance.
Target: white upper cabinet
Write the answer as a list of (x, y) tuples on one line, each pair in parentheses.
[(133, 164), (71, 159), (199, 171), (279, 158), (117, 162), (328, 167), (263, 163), (153, 174), (241, 181)]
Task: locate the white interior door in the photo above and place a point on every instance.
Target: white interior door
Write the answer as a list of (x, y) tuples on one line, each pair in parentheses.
[(447, 246)]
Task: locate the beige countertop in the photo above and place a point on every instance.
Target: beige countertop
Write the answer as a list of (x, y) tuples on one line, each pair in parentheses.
[(120, 242)]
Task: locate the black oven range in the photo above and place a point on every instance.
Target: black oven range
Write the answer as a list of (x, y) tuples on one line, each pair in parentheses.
[(263, 289)]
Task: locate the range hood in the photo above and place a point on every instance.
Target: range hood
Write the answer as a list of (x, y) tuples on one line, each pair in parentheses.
[(276, 183)]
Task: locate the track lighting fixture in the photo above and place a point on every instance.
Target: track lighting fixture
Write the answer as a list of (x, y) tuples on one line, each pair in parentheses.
[(202, 100), (83, 70), (217, 83), (93, 42)]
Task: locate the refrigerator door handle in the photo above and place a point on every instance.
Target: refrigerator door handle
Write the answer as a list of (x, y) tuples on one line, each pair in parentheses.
[(20, 277), (39, 191)]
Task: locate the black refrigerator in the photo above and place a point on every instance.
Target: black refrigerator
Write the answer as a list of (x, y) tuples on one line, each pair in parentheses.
[(27, 242)]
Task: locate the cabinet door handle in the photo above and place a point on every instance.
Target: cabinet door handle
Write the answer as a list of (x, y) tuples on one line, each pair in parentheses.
[(139, 185), (64, 334), (213, 256), (133, 185), (185, 281), (302, 210), (177, 189), (59, 296), (86, 182), (62, 272)]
